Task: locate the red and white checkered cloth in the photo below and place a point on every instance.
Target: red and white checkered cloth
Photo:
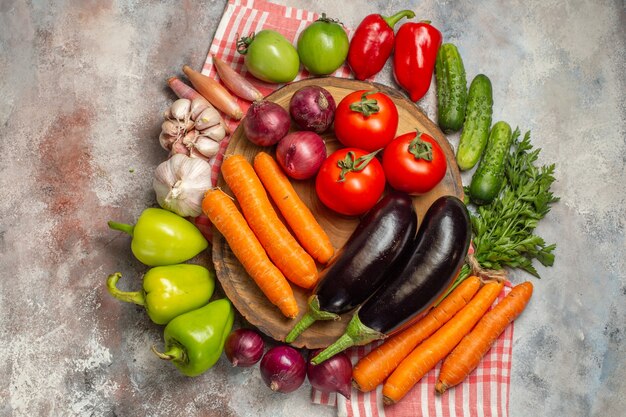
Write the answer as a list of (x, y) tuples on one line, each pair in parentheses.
[(484, 393), (486, 390)]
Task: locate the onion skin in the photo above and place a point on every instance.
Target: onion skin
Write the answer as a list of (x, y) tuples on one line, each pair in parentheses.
[(301, 154), (182, 90), (204, 225), (236, 82), (214, 92), (283, 369), (266, 123), (312, 108), (244, 347), (333, 375)]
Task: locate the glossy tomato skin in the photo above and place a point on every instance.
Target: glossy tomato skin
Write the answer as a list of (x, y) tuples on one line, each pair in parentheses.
[(323, 47), (360, 190), (405, 172), (369, 133), (270, 57)]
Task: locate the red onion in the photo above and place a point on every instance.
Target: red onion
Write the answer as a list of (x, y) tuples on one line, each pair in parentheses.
[(332, 375), (244, 347), (301, 154), (283, 369), (312, 108), (266, 123)]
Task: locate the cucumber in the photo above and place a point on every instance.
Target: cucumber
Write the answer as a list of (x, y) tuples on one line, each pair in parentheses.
[(451, 88), (489, 175), (477, 122)]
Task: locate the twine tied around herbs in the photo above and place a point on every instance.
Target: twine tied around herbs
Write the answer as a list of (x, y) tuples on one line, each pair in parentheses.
[(485, 274)]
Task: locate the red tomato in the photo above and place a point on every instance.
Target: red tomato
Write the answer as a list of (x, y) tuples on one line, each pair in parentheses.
[(414, 163), (363, 184), (366, 120)]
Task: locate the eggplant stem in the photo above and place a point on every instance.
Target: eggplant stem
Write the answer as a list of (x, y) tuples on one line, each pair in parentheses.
[(312, 315), (136, 297), (356, 334)]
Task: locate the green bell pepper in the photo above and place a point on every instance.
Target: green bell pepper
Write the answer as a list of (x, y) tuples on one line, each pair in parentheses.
[(168, 291), (161, 237), (194, 341)]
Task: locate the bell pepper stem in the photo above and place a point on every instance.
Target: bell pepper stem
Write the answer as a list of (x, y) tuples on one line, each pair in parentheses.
[(174, 353), (392, 20), (122, 227), (309, 318), (135, 297), (356, 334)]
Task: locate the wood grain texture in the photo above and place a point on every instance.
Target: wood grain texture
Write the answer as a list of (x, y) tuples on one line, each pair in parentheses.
[(241, 289)]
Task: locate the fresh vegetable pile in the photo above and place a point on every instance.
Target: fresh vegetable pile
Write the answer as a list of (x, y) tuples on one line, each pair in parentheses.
[(424, 286)]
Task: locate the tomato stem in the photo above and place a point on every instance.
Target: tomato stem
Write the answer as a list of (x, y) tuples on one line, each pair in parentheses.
[(349, 164), (420, 149), (244, 43), (326, 19), (366, 106)]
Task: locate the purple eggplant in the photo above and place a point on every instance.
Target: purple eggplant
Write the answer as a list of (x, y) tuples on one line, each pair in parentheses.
[(437, 254), (361, 265)]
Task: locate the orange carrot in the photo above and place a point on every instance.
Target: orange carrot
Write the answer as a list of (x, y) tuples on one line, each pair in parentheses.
[(282, 248), (214, 92), (426, 355), (376, 366), (302, 222), (467, 355), (223, 213)]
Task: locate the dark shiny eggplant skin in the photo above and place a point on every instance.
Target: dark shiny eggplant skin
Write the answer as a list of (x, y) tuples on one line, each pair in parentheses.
[(376, 243), (438, 252)]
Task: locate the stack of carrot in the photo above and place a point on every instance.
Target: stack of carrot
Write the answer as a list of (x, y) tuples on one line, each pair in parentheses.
[(460, 331), (258, 238)]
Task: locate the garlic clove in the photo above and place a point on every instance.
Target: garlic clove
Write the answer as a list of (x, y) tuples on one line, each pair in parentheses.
[(181, 109), (166, 141), (209, 117), (217, 133), (179, 147), (195, 153), (198, 105), (206, 146), (189, 125), (171, 127), (190, 138)]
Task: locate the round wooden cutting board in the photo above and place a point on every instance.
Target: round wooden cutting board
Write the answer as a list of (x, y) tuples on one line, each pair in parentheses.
[(242, 290)]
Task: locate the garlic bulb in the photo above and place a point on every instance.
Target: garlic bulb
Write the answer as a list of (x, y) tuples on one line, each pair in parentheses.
[(180, 184), (187, 127)]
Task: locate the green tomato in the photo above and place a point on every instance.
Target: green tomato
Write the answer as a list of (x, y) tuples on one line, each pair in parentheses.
[(270, 57), (323, 46)]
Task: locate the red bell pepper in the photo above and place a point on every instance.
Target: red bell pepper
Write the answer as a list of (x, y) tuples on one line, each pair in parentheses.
[(372, 43), (416, 47)]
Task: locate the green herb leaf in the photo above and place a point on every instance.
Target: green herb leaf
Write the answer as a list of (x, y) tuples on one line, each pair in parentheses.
[(504, 230)]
